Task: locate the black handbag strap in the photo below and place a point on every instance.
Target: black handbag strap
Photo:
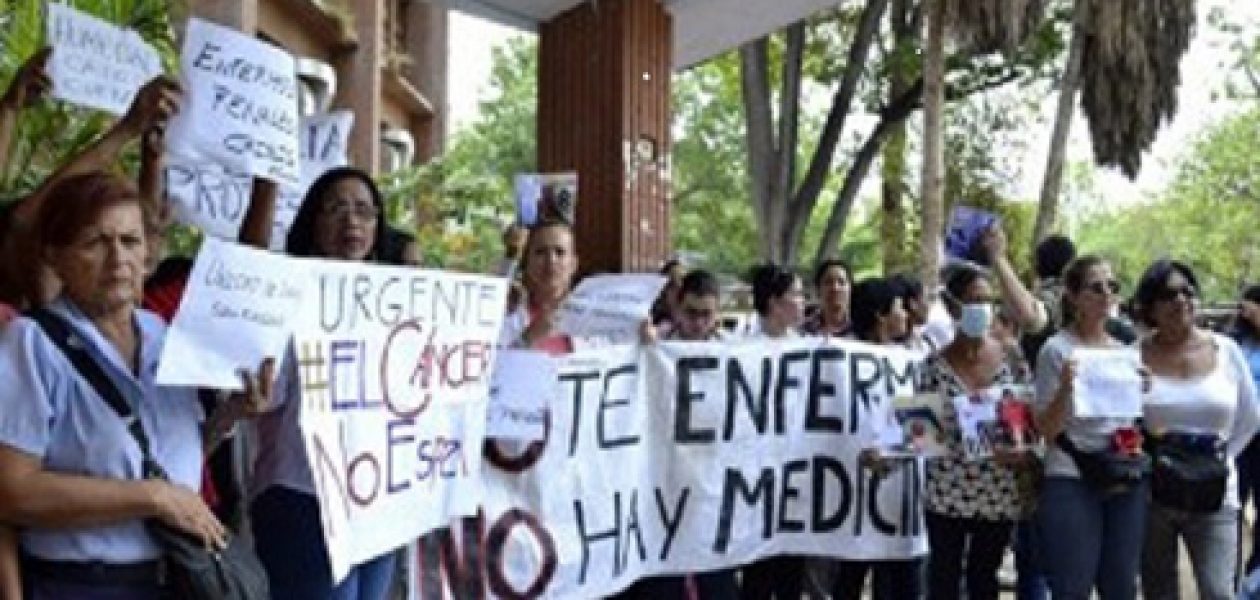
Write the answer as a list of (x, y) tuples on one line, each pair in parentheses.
[(59, 331)]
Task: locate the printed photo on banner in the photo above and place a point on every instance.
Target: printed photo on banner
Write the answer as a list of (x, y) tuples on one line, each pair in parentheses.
[(214, 198), (611, 307), (522, 388), (546, 197), (919, 428), (1108, 383), (395, 366), (95, 63), (685, 457), (995, 418), (236, 311), (240, 104)]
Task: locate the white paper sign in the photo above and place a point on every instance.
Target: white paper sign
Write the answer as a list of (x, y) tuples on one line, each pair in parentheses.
[(522, 389), (395, 367), (611, 307), (240, 103), (235, 312), (672, 459), (1107, 384), (214, 198), (95, 63)]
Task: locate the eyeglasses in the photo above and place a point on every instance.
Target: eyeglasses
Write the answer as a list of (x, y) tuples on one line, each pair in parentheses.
[(1104, 287), (1169, 294), (341, 209)]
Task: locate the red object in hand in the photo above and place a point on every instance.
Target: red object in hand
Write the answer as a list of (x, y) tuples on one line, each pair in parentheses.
[(1127, 440)]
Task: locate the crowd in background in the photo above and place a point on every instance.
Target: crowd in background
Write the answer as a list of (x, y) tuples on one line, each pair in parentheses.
[(84, 253)]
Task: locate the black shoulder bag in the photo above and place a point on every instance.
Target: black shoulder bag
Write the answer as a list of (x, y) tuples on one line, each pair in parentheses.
[(1186, 476), (1106, 471), (193, 571)]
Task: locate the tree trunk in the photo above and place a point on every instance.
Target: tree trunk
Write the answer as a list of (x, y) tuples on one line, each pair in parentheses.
[(893, 226), (755, 87), (933, 144), (1052, 184)]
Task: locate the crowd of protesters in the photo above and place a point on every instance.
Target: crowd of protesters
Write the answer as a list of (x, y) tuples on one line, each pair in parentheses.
[(82, 273)]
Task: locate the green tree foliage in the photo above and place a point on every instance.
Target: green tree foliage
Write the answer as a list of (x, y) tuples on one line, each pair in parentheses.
[(52, 131), (458, 203), (1206, 216)]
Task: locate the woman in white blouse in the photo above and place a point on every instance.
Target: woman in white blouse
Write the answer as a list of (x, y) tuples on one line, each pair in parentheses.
[(1202, 403)]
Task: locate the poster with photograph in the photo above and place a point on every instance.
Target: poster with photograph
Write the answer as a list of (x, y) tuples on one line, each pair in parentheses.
[(546, 197)]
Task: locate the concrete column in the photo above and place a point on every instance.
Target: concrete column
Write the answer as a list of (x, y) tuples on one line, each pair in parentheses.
[(428, 46), (603, 110), (237, 14), (360, 87)]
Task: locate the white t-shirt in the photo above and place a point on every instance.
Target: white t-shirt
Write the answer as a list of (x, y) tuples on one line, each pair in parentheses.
[(1089, 434), (1222, 403)]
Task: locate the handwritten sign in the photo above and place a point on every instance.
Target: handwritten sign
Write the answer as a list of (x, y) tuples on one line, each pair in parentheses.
[(610, 307), (215, 198), (522, 389), (235, 312), (546, 197), (1107, 384), (395, 366), (685, 457), (95, 63), (240, 103)]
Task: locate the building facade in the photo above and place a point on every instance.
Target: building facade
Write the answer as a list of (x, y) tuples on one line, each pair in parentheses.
[(384, 60)]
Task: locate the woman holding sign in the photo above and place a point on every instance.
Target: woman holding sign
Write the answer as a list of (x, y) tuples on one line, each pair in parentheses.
[(779, 301), (341, 219), (973, 495), (1200, 414), (1090, 527), (79, 379), (880, 318)]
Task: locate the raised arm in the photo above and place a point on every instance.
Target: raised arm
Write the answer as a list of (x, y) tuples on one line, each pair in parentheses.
[(256, 228), (153, 105), (1025, 309), (29, 84)]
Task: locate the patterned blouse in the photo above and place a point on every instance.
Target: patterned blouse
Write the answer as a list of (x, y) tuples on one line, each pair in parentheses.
[(970, 489)]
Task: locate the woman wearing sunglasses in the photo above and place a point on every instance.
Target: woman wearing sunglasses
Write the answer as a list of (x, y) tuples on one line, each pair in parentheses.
[(1091, 537), (1200, 413)]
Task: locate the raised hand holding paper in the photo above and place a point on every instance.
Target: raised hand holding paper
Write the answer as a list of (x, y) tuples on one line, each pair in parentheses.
[(214, 198), (95, 63), (966, 226), (1108, 383), (240, 105), (235, 312), (610, 307)]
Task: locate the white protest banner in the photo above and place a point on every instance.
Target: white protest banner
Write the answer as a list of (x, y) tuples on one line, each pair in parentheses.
[(1108, 383), (95, 63), (214, 198), (685, 457), (240, 103), (235, 312), (611, 307), (522, 386), (395, 367)]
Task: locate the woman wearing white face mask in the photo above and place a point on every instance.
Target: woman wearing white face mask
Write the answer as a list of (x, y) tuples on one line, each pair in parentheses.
[(972, 504)]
